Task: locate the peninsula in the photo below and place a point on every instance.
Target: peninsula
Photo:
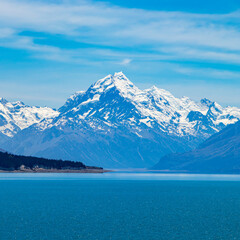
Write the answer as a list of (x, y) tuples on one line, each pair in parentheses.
[(16, 163)]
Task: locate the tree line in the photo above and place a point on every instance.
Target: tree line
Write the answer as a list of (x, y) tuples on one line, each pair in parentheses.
[(14, 162)]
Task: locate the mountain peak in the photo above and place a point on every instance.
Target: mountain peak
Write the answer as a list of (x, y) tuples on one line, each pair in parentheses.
[(122, 82), (121, 74), (3, 100), (206, 102), (18, 103), (117, 80), (159, 92)]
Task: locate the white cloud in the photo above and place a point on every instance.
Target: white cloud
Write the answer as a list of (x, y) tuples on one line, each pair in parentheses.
[(179, 35), (126, 61), (208, 72)]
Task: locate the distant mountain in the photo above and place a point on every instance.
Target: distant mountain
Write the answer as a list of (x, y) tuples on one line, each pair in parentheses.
[(2, 150), (114, 124), (16, 116), (218, 154)]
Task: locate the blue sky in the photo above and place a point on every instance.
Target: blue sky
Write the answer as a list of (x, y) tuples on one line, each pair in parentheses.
[(50, 49)]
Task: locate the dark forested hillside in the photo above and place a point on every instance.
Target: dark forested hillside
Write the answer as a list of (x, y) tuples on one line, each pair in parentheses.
[(11, 162)]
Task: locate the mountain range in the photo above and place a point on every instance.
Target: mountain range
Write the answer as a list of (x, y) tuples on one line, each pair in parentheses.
[(16, 116), (218, 154), (113, 124)]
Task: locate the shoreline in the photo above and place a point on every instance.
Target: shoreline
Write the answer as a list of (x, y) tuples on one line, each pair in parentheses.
[(57, 171)]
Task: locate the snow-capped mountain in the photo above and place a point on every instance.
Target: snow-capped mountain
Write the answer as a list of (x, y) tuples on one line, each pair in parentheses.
[(16, 116), (115, 124), (114, 101)]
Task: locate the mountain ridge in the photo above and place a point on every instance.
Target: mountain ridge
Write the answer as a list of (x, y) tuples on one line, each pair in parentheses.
[(116, 124), (16, 116), (218, 154)]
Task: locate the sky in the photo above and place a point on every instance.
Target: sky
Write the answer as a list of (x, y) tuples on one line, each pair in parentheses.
[(50, 49)]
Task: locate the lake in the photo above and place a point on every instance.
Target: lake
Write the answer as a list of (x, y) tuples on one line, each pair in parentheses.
[(119, 206)]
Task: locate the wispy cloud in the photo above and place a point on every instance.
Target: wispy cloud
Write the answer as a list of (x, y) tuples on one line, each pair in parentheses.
[(179, 35), (208, 72), (125, 61)]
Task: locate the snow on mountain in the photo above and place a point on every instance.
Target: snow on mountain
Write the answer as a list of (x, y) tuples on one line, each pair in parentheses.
[(16, 116), (73, 99), (153, 107), (115, 124)]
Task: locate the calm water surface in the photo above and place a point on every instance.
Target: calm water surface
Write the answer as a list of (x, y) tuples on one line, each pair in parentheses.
[(119, 206)]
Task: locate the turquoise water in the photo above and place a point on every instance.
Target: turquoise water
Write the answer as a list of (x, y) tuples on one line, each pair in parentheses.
[(119, 206)]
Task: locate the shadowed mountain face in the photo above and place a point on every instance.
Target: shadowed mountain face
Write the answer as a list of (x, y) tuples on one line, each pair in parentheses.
[(114, 124), (218, 154)]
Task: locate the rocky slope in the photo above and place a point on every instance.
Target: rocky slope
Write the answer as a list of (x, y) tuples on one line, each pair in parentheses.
[(218, 154)]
